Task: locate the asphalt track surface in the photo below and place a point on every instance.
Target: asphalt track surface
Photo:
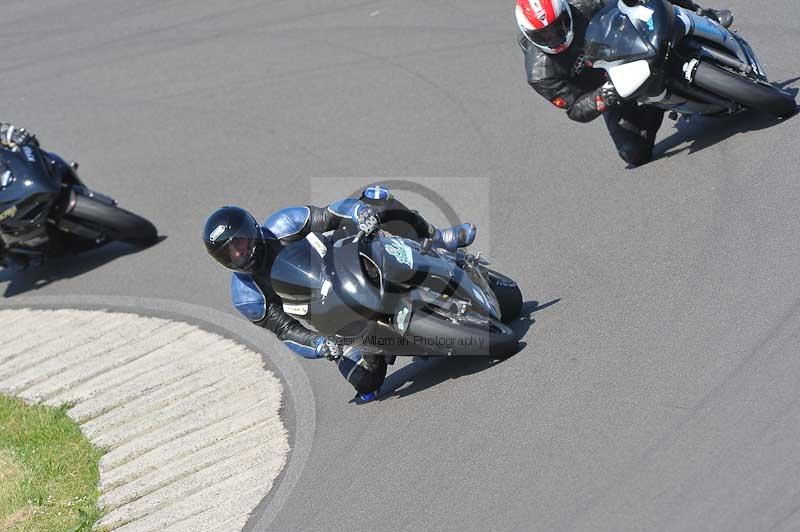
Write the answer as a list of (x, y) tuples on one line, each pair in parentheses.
[(660, 391)]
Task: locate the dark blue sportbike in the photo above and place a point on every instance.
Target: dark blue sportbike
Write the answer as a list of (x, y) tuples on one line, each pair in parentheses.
[(668, 57)]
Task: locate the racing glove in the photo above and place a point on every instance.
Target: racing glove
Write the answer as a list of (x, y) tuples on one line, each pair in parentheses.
[(14, 137), (606, 97), (366, 218), (327, 348)]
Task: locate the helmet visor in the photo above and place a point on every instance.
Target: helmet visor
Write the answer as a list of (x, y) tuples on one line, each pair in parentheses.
[(553, 35), (239, 251)]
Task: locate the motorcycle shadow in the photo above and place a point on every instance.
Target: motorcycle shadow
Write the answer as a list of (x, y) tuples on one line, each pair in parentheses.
[(422, 373), (65, 266), (699, 133)]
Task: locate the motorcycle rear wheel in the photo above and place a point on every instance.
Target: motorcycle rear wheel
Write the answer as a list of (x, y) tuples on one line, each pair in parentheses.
[(758, 95)]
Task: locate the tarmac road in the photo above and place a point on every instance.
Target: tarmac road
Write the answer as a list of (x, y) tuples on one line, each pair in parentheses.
[(660, 392)]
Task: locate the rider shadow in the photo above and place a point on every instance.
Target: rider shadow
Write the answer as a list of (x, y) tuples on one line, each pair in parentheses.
[(425, 373), (698, 133), (66, 266)]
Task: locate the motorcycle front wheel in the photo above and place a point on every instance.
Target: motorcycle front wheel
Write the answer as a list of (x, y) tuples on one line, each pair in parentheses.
[(758, 95), (507, 293), (112, 221), (464, 334)]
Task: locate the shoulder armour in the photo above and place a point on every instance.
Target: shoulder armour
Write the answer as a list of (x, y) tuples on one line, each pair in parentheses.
[(344, 208), (287, 222), (247, 297)]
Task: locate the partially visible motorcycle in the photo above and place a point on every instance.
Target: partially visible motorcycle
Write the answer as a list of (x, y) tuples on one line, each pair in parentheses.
[(46, 209), (662, 55)]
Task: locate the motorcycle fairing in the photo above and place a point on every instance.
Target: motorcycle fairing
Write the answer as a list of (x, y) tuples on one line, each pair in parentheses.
[(400, 251), (334, 293), (430, 270), (28, 198), (621, 35), (629, 77), (711, 31), (625, 40), (402, 265), (298, 272), (326, 288), (654, 20)]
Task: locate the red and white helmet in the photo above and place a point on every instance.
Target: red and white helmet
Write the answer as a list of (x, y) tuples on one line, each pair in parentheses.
[(547, 24)]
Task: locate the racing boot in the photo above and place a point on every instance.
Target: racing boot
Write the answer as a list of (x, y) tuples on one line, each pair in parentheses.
[(363, 398), (723, 16), (456, 237)]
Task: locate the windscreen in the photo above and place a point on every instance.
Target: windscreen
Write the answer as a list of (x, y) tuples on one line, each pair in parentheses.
[(612, 37), (298, 271)]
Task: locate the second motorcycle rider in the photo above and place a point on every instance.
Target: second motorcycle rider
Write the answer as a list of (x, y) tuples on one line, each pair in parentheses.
[(552, 36)]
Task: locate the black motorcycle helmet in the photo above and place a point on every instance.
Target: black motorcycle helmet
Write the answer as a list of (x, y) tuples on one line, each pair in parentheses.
[(234, 238)]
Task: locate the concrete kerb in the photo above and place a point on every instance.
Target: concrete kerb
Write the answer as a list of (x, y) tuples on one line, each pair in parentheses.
[(298, 413)]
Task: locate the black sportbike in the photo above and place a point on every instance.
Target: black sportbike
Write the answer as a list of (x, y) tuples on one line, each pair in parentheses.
[(45, 209), (394, 296), (663, 55)]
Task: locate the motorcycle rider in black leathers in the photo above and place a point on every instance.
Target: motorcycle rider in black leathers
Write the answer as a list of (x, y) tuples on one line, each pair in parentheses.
[(15, 138), (552, 36), (237, 241)]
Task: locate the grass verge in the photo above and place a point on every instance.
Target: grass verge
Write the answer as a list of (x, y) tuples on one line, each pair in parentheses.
[(48, 470)]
